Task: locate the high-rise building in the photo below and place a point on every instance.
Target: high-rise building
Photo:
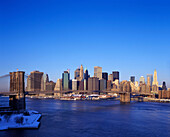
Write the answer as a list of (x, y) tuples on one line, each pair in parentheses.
[(102, 84), (28, 88), (81, 85), (44, 80), (155, 82), (115, 75), (74, 84), (81, 73), (77, 73), (98, 72), (58, 85), (110, 77), (164, 86), (132, 79), (35, 80), (86, 76), (151, 78), (50, 86), (93, 83), (148, 81), (109, 85), (142, 79), (105, 75), (65, 80)]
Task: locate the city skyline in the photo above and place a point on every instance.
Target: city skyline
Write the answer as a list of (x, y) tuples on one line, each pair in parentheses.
[(54, 36), (78, 77)]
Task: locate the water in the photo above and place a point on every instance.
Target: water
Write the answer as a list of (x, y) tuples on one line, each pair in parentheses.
[(97, 118)]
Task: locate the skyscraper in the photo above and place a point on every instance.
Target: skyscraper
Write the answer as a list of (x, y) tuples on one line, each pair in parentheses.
[(74, 84), (142, 79), (164, 86), (105, 75), (86, 76), (102, 84), (115, 75), (110, 77), (93, 83), (35, 79), (148, 81), (155, 82), (50, 86), (65, 80), (81, 73), (151, 78), (132, 79), (77, 73), (98, 72), (44, 80), (58, 85)]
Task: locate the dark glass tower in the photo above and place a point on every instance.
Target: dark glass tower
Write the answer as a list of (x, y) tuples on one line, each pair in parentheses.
[(105, 75), (86, 75), (164, 86), (132, 79), (115, 75)]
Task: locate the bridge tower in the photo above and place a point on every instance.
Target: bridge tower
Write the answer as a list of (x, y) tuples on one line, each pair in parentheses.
[(125, 97), (17, 86)]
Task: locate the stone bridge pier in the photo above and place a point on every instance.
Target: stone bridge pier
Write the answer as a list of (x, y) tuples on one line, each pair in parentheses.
[(125, 97), (17, 84)]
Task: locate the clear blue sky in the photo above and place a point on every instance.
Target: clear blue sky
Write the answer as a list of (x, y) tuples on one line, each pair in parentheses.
[(131, 36)]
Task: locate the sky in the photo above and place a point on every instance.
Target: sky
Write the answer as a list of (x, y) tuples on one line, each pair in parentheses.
[(129, 36)]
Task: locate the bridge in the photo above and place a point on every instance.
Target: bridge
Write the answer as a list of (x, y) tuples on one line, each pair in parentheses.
[(17, 90)]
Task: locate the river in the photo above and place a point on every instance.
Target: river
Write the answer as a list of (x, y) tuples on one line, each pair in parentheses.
[(105, 118)]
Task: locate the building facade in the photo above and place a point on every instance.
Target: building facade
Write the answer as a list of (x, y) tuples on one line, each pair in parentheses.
[(98, 72)]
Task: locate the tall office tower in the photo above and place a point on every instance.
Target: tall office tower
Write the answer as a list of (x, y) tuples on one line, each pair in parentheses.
[(93, 84), (65, 80), (132, 79), (98, 72), (58, 85), (81, 72), (110, 77), (142, 88), (86, 75), (109, 85), (102, 85), (105, 75), (151, 78), (142, 79), (74, 84), (77, 73), (85, 84), (155, 82), (164, 86), (115, 75), (148, 81), (50, 86), (44, 80), (28, 88), (81, 85), (35, 78)]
